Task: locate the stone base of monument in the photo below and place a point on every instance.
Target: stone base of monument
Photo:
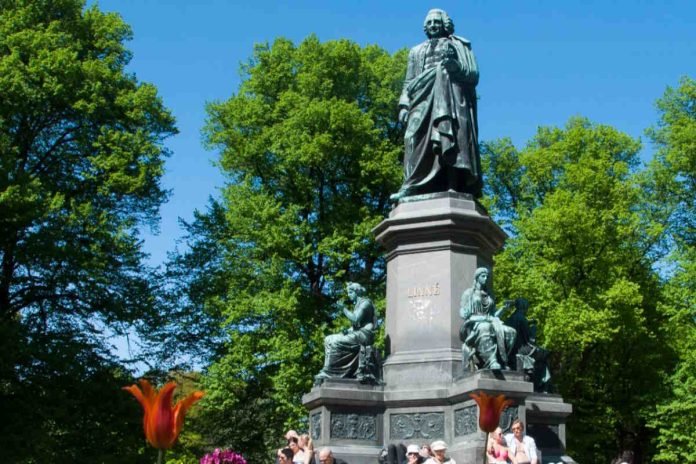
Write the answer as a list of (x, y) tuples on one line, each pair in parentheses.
[(434, 244), (357, 421)]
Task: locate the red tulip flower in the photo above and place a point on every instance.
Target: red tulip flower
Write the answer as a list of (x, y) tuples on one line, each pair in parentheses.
[(161, 421), (490, 408)]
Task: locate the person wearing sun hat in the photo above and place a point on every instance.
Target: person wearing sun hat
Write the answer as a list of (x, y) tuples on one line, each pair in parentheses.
[(413, 455), (439, 449)]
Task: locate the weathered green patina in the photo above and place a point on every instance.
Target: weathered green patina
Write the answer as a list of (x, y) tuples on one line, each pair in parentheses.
[(350, 354), (528, 356), (486, 342), (438, 108)]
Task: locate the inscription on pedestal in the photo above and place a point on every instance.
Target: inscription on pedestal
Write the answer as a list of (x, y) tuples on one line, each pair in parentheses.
[(354, 426), (427, 425), (421, 304), (426, 291), (315, 425), (465, 422)]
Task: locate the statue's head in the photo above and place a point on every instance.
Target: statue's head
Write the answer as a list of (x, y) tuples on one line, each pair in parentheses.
[(438, 24), (355, 289), (481, 276), (522, 304)]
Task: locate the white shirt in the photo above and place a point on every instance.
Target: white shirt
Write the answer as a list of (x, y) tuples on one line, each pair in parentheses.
[(529, 446), (435, 461)]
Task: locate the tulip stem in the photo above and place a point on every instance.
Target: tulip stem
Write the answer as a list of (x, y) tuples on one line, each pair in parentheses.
[(160, 456), (485, 449)]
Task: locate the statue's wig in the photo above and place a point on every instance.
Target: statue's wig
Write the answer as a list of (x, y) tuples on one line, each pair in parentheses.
[(480, 271), (446, 20), (522, 304), (356, 287)]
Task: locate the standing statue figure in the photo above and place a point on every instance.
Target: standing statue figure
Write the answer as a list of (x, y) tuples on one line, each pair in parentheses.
[(487, 343), (350, 354), (438, 108), (529, 357)]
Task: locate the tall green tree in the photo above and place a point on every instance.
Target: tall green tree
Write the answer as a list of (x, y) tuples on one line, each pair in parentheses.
[(581, 251), (310, 146), (81, 156), (672, 185)]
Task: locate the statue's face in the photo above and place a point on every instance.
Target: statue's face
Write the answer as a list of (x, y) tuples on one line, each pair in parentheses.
[(351, 294), (483, 278), (435, 26)]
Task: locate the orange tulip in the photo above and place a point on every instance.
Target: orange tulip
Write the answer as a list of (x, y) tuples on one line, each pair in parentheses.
[(490, 408), (161, 422)]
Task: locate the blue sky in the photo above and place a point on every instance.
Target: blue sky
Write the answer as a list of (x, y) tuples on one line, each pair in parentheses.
[(541, 62)]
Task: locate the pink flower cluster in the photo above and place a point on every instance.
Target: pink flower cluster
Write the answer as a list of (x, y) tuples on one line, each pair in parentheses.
[(223, 457)]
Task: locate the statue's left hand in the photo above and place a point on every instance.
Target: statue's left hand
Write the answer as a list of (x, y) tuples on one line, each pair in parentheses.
[(451, 65)]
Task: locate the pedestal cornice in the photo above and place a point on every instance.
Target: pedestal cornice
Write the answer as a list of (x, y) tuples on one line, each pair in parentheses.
[(445, 221)]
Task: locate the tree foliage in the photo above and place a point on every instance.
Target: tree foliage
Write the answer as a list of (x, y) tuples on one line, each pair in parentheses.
[(309, 145), (81, 156), (672, 186), (581, 251)]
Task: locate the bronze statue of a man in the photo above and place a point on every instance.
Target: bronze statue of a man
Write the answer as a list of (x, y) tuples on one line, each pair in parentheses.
[(438, 108), (350, 354)]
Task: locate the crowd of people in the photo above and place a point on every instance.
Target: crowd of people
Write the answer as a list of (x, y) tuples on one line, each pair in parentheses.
[(511, 448), (299, 450)]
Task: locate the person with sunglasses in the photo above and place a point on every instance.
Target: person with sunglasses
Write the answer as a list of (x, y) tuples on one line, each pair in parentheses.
[(413, 455), (522, 448)]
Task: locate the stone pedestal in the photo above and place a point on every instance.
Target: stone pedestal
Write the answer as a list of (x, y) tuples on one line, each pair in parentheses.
[(434, 245), (356, 421)]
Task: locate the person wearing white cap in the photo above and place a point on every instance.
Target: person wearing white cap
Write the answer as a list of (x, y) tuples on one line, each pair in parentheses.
[(439, 449), (413, 455)]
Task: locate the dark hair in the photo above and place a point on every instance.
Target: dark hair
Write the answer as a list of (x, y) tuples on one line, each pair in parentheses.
[(287, 452)]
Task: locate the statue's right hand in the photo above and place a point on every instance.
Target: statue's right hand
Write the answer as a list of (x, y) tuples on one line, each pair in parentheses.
[(403, 116)]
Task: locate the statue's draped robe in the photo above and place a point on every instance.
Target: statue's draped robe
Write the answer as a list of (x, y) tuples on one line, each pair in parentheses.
[(342, 350), (442, 111), (533, 357), (484, 333)]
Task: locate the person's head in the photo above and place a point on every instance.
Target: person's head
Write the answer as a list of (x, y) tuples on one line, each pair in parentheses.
[(425, 451), (498, 435), (354, 290), (517, 429), (439, 448), (290, 433), (294, 444), (412, 453), (481, 276), (438, 24), (326, 456), (627, 457), (285, 456)]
